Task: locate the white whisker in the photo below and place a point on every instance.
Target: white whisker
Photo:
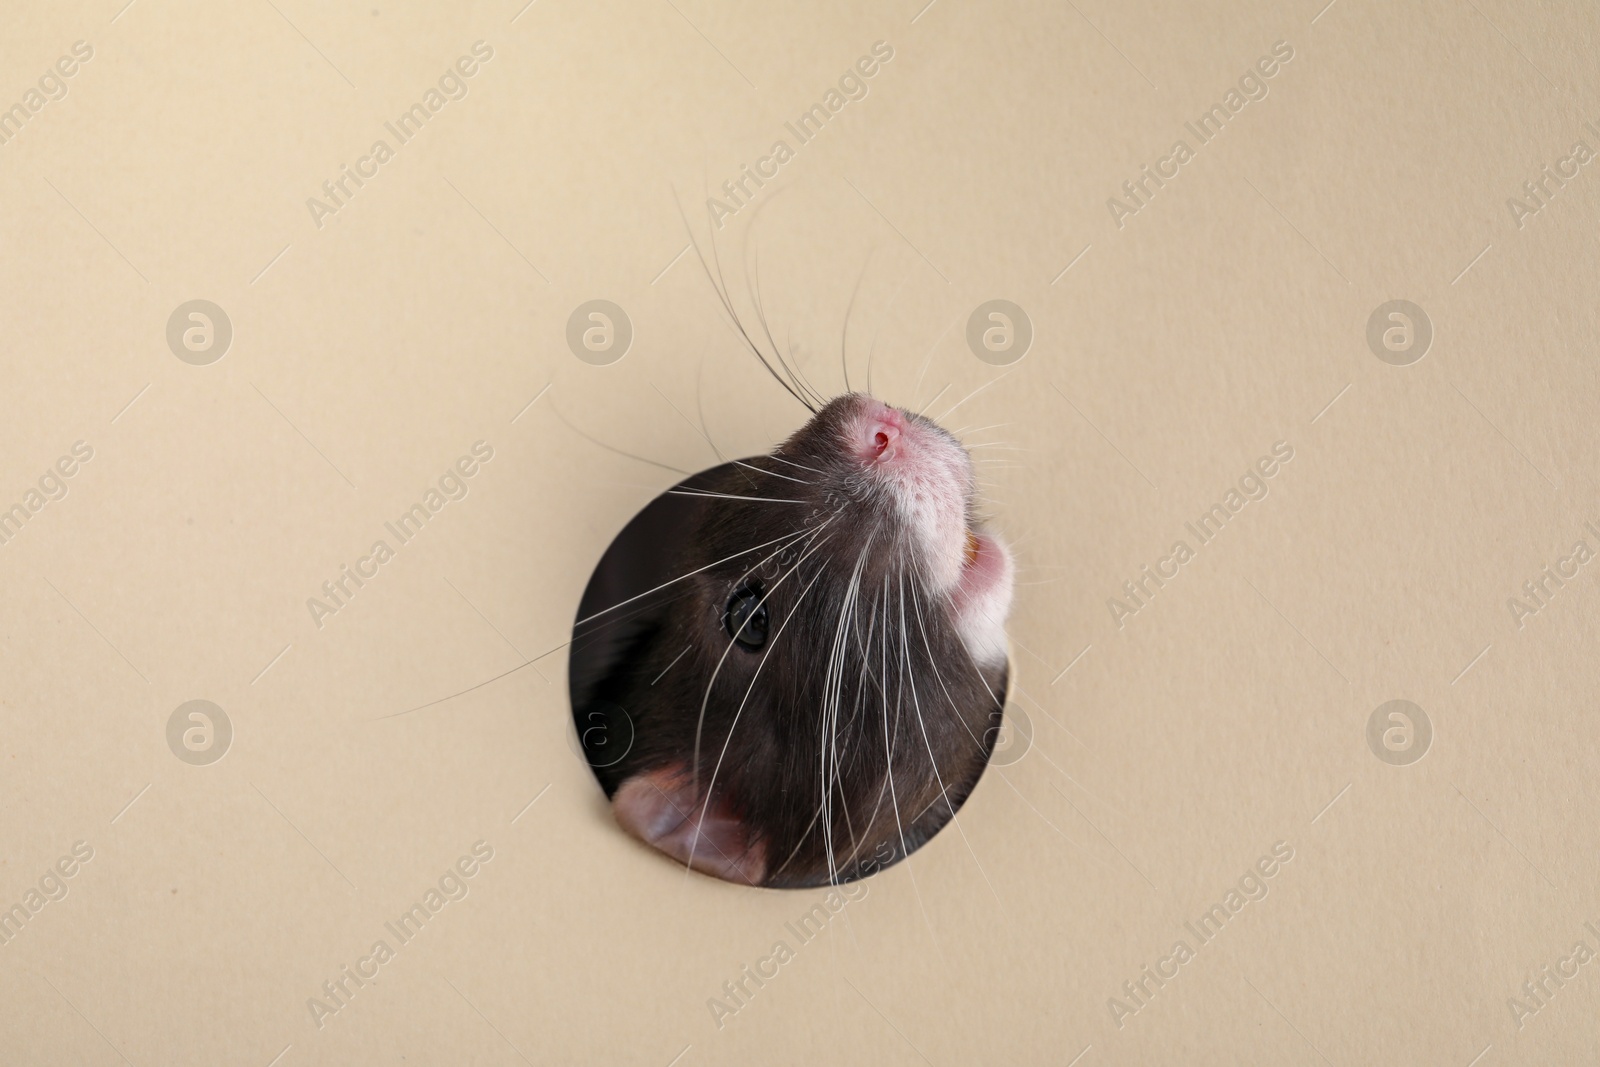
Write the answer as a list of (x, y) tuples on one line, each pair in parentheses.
[(792, 463), (786, 537), (948, 411), (954, 821), (770, 474), (707, 495), (700, 724)]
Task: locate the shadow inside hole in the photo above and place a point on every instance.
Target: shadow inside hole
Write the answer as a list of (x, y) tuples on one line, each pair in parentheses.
[(629, 585)]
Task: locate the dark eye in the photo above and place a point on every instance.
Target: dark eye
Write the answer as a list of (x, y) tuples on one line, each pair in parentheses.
[(746, 617)]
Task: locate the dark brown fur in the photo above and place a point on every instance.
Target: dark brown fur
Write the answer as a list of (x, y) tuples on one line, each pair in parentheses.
[(800, 740)]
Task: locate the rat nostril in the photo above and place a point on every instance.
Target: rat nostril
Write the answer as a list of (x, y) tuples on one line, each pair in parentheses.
[(884, 435), (876, 435)]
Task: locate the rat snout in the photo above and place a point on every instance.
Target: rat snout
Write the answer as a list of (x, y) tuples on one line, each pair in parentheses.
[(901, 446), (927, 474), (876, 431)]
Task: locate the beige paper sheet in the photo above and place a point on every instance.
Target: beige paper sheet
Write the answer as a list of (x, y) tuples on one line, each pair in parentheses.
[(1402, 502)]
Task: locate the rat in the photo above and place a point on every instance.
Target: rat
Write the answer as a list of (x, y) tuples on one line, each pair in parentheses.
[(790, 670)]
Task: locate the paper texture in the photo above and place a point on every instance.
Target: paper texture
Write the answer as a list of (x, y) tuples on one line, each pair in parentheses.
[(295, 425)]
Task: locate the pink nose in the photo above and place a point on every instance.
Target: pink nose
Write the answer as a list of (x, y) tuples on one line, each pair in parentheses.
[(878, 430)]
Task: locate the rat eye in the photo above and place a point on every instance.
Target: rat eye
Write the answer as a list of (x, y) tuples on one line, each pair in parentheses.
[(746, 617)]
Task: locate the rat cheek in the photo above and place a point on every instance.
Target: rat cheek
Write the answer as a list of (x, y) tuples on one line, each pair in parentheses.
[(982, 600), (935, 516)]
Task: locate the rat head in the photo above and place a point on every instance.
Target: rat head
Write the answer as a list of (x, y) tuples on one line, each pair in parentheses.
[(819, 692), (886, 492)]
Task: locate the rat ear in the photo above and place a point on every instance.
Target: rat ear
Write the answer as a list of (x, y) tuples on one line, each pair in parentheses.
[(663, 809)]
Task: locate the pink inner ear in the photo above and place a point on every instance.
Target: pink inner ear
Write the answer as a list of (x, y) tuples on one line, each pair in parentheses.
[(663, 809)]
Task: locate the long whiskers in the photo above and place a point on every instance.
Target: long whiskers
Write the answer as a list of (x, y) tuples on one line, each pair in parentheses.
[(771, 474), (954, 820), (706, 494), (612, 448), (697, 429), (951, 409), (833, 684), (711, 784), (792, 463), (790, 381), (788, 537), (699, 728)]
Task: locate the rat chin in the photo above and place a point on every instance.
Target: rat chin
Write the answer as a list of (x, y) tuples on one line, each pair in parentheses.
[(790, 670)]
